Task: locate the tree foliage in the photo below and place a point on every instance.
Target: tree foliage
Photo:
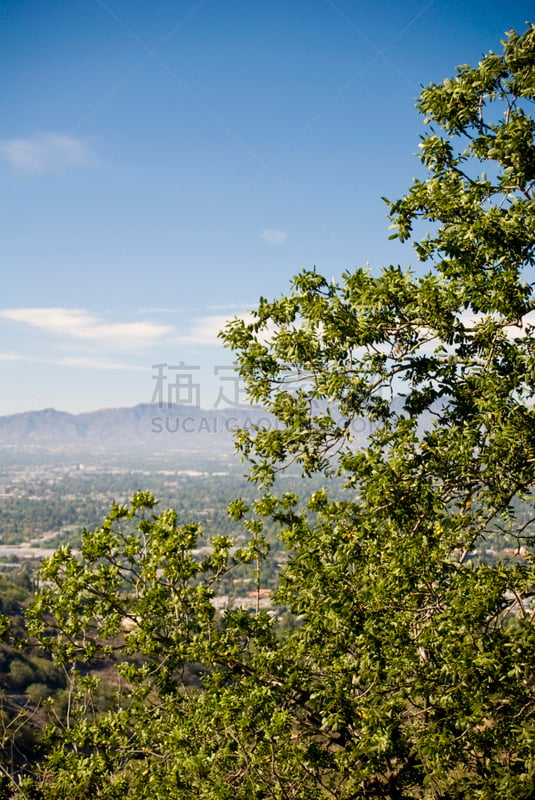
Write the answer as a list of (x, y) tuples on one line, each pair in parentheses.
[(406, 671)]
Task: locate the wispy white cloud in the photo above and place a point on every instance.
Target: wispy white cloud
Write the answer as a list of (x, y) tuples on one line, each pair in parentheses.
[(83, 362), (194, 309), (12, 358), (49, 152), (75, 323), (231, 306), (204, 330), (86, 362), (273, 237), (521, 328), (156, 310)]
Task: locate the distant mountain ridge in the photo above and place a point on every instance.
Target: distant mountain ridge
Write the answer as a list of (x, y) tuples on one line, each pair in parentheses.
[(145, 426)]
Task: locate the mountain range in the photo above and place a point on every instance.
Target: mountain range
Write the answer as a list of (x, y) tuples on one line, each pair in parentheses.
[(143, 427)]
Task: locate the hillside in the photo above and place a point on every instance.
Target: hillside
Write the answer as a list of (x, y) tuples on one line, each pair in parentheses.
[(143, 427)]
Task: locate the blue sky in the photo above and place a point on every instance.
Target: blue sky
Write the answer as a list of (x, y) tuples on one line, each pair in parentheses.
[(163, 164)]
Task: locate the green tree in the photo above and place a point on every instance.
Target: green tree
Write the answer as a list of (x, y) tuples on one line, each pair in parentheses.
[(406, 670)]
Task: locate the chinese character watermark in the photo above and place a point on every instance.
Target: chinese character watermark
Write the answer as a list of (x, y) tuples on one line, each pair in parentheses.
[(182, 391), (235, 388), (175, 388)]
